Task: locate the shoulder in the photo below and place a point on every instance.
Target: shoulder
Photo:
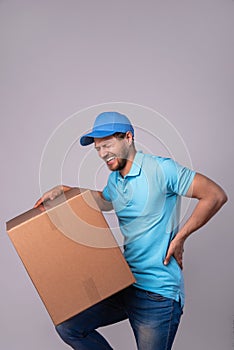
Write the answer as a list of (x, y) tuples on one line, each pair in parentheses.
[(163, 162), (112, 178), (165, 167)]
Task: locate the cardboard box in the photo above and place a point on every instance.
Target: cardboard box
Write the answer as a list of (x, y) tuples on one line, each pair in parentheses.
[(70, 254)]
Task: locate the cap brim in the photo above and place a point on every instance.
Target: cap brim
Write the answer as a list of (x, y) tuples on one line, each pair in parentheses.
[(89, 138)]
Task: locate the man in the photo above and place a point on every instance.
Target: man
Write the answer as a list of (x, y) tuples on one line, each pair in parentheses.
[(144, 190)]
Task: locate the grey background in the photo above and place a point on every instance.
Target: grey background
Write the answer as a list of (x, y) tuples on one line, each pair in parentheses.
[(176, 57)]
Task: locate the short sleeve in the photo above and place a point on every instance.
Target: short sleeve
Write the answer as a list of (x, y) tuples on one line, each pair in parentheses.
[(105, 194), (178, 178)]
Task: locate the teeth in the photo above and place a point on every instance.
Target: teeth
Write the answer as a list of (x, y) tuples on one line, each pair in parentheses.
[(109, 159)]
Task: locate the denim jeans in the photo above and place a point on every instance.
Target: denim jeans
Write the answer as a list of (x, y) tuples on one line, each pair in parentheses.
[(153, 318)]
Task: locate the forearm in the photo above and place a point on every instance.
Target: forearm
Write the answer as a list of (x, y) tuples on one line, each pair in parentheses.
[(59, 189), (103, 204), (211, 198), (52, 194), (203, 212)]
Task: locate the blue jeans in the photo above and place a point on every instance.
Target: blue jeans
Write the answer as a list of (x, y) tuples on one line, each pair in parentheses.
[(153, 318)]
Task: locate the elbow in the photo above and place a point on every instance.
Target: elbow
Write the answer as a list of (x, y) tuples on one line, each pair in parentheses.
[(224, 198), (221, 199)]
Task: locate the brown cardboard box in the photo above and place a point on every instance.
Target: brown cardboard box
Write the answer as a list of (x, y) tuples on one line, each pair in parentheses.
[(70, 254)]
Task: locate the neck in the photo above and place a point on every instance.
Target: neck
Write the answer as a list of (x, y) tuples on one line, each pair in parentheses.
[(123, 172)]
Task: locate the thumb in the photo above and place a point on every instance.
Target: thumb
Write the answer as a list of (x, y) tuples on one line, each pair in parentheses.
[(167, 258), (37, 203)]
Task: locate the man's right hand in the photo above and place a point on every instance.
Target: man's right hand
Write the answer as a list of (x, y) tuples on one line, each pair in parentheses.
[(51, 194)]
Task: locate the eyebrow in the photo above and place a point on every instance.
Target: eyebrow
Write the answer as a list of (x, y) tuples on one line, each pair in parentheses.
[(96, 147), (102, 145)]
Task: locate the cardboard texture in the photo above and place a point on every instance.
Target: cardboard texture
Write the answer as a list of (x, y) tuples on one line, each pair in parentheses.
[(70, 254)]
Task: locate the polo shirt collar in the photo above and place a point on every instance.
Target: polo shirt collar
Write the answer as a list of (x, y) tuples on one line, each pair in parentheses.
[(136, 165)]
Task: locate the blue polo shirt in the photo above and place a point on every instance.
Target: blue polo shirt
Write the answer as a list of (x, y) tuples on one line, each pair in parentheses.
[(147, 204)]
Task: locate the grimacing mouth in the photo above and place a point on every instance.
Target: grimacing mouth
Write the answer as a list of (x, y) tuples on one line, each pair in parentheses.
[(110, 158)]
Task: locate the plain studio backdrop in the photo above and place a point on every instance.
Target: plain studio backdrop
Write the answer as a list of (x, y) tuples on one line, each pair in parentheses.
[(175, 57)]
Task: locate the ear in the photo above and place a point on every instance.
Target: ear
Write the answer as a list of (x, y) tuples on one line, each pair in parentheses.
[(129, 137)]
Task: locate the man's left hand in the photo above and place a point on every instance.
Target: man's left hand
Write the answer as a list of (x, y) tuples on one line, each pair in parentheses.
[(176, 249)]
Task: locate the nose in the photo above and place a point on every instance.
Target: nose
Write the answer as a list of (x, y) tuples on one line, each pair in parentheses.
[(102, 152)]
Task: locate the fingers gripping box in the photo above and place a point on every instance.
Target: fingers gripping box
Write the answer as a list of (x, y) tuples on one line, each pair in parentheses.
[(70, 254)]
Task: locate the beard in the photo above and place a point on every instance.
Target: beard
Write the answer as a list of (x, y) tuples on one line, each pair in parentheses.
[(118, 165), (121, 164)]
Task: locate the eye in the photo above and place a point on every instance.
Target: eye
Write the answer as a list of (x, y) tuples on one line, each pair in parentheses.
[(109, 144)]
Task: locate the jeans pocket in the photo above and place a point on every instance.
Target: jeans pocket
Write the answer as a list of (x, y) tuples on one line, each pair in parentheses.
[(156, 296)]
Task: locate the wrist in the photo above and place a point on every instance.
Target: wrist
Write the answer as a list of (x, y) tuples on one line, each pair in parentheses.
[(181, 236), (65, 188)]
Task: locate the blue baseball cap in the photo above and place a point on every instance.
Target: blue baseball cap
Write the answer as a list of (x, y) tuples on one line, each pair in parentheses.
[(107, 124)]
